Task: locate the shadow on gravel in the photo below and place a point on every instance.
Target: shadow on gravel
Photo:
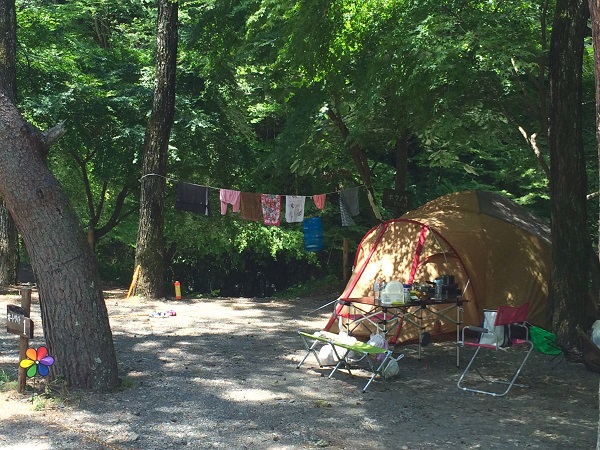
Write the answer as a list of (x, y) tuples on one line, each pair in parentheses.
[(222, 374)]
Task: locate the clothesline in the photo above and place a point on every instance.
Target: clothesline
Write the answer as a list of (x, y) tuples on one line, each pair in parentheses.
[(254, 206), (218, 188)]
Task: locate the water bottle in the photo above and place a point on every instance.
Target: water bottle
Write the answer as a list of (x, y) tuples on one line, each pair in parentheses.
[(376, 289), (406, 288), (438, 289)]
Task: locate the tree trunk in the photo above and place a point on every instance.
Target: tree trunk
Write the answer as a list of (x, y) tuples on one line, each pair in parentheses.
[(9, 238), (595, 22), (401, 179), (9, 247), (150, 249), (568, 291), (74, 316)]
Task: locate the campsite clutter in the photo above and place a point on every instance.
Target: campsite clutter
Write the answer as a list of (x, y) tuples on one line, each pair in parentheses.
[(463, 253), (163, 314), (492, 251)]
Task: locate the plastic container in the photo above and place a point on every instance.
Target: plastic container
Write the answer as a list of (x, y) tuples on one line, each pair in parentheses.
[(406, 293), (392, 293), (313, 235)]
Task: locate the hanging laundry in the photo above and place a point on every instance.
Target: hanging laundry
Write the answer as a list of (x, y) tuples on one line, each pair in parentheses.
[(229, 197), (319, 200), (271, 209), (294, 208), (349, 205), (192, 198), (250, 208), (347, 220)]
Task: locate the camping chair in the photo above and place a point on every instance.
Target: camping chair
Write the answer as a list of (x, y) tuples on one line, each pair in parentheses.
[(496, 335), (376, 357)]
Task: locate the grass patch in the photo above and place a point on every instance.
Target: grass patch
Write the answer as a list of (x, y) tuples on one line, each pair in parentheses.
[(128, 382), (314, 287), (55, 395), (7, 383)]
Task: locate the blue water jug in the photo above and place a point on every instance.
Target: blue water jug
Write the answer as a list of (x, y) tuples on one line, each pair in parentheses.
[(313, 234)]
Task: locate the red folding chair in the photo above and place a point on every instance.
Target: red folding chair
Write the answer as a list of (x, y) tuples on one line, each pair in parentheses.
[(503, 329)]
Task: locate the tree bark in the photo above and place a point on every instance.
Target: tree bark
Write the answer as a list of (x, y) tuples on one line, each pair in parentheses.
[(594, 6), (568, 290), (150, 248), (9, 237), (74, 316)]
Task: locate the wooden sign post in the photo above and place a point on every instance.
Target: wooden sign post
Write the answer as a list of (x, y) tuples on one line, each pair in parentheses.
[(18, 322)]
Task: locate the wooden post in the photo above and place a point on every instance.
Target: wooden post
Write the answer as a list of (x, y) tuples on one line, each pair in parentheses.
[(24, 341), (346, 251)]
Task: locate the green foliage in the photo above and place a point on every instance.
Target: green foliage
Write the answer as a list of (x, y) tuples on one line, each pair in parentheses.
[(256, 83), (8, 382), (55, 395), (442, 70)]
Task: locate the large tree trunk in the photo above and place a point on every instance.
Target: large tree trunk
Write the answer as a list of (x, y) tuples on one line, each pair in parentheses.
[(74, 316), (568, 292), (9, 247), (595, 21), (9, 238), (150, 249)]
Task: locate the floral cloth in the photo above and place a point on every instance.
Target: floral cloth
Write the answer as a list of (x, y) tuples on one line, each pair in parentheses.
[(271, 209)]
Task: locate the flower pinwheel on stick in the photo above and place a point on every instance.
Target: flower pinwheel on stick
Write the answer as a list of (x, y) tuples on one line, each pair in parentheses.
[(37, 362)]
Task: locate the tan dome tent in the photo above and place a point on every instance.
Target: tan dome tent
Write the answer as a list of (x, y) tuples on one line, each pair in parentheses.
[(498, 253)]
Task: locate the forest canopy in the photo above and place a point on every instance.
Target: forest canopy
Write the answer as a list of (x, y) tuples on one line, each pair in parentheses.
[(293, 98)]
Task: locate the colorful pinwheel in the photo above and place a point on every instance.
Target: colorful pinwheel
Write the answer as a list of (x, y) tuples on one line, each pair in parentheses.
[(37, 361)]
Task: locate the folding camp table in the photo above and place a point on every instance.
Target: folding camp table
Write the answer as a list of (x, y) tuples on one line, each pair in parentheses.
[(387, 319)]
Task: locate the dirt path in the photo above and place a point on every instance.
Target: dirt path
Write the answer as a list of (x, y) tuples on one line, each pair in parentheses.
[(221, 375)]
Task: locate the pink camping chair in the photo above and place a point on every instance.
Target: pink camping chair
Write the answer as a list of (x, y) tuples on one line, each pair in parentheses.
[(497, 334)]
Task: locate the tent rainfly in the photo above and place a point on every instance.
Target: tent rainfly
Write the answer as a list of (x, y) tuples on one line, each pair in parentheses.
[(498, 253)]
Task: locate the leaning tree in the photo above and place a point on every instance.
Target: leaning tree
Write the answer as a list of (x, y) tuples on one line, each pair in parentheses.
[(74, 315)]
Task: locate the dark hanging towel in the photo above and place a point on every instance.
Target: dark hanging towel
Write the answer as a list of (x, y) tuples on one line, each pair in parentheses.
[(192, 198), (349, 205)]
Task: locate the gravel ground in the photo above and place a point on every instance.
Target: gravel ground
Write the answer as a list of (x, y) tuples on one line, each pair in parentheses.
[(221, 375)]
